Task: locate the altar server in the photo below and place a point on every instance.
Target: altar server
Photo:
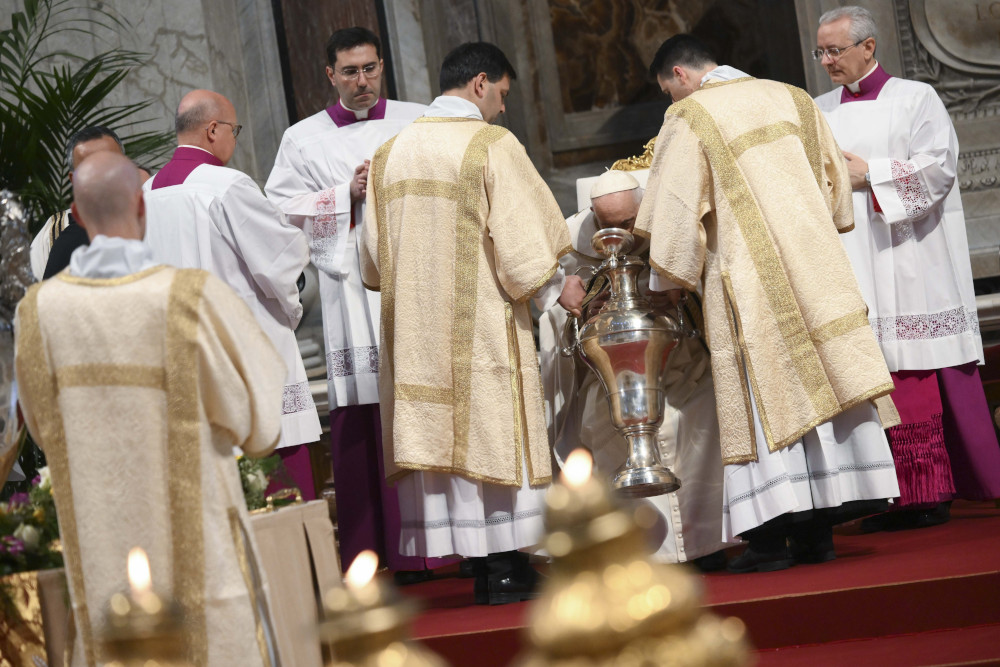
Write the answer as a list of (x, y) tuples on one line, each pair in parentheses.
[(910, 252), (690, 525), (746, 197), (460, 233), (138, 379), (201, 214), (319, 180)]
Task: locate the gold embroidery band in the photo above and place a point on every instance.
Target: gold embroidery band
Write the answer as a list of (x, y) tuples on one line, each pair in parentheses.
[(184, 457), (762, 135), (109, 282), (770, 272), (385, 276), (467, 249), (250, 577), (840, 326), (111, 375), (39, 390), (808, 131), (420, 187), (515, 387), (423, 394), (539, 284), (739, 350)]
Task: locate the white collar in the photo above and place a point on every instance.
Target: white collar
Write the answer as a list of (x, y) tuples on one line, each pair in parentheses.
[(360, 115), (856, 86), (452, 106), (197, 148), (723, 73), (110, 257)]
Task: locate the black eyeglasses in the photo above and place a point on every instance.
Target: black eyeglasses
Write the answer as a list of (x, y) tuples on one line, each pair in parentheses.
[(236, 127), (833, 51)]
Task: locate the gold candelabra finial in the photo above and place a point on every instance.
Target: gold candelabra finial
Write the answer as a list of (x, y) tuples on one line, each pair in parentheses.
[(606, 604), (636, 162), (367, 624), (143, 629)]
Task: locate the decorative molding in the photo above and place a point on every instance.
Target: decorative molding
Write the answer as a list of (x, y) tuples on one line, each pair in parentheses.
[(979, 170), (969, 91)]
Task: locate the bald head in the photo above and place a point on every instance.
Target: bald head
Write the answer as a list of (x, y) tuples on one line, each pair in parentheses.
[(207, 120), (107, 196)]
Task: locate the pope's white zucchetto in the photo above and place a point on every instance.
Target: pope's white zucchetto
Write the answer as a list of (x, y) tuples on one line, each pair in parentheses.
[(613, 181)]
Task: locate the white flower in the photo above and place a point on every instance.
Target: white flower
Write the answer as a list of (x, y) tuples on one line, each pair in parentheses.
[(257, 481), (46, 482), (29, 535)]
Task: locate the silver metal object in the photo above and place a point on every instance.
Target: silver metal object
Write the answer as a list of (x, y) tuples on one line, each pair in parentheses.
[(627, 345)]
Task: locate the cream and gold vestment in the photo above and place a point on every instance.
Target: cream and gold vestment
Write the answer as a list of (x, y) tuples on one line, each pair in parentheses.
[(460, 233), (748, 199), (138, 387)]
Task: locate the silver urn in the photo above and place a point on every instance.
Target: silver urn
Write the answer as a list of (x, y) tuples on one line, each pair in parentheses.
[(626, 343)]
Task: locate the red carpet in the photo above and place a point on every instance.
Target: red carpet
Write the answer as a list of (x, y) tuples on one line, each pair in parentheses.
[(922, 597)]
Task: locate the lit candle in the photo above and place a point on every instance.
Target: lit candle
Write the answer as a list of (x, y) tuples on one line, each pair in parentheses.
[(578, 468), (362, 570), (138, 573)]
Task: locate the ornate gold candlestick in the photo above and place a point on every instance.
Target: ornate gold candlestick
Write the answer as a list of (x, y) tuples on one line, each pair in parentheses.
[(141, 628), (367, 623), (605, 603)]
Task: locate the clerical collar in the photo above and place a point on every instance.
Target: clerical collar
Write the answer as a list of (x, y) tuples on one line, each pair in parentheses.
[(110, 257), (867, 87), (342, 116), (723, 73), (452, 106), (184, 160)]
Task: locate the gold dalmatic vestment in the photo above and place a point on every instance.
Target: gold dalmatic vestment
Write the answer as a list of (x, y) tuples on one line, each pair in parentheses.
[(138, 388), (460, 233), (747, 193)]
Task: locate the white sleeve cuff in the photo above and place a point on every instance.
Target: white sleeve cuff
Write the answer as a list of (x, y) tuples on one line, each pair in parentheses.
[(549, 294), (658, 283)]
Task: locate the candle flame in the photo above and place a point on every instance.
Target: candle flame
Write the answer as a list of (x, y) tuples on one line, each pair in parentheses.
[(578, 468), (362, 570), (138, 572)]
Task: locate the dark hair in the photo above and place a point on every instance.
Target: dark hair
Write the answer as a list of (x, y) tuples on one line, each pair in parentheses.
[(465, 62), (348, 38), (89, 134), (684, 50)]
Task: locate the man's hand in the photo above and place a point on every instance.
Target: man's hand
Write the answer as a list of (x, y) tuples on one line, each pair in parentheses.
[(857, 168), (664, 301), (359, 184), (573, 292)]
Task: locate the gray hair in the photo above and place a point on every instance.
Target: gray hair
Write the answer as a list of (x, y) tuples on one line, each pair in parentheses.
[(862, 24), (193, 117)]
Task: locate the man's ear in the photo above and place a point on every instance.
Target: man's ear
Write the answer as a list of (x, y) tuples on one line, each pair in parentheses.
[(76, 216), (480, 84)]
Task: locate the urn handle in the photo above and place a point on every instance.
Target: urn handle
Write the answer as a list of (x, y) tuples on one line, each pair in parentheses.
[(571, 335)]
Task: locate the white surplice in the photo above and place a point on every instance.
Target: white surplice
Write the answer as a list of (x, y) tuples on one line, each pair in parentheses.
[(41, 245), (842, 460), (690, 519), (912, 259), (219, 220), (311, 182)]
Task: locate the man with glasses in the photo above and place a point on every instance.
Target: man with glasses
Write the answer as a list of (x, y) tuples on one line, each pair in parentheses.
[(201, 214), (746, 197), (910, 252), (319, 180)]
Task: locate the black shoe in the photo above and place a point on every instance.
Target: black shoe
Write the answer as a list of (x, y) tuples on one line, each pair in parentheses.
[(712, 562), (467, 569), (907, 519), (805, 553), (811, 541), (760, 561), (410, 577), (510, 579)]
